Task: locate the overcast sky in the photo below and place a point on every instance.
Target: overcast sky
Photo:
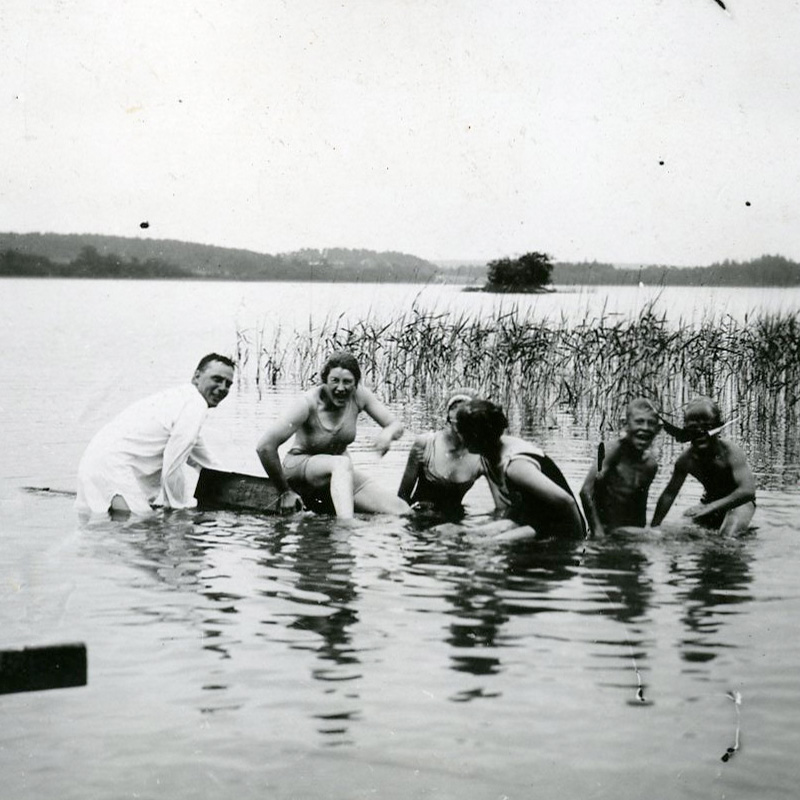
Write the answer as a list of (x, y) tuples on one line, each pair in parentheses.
[(617, 130)]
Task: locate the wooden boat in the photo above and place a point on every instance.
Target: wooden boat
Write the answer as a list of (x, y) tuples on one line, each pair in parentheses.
[(217, 489)]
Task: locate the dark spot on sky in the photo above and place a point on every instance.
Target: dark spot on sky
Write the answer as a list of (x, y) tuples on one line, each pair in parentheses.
[(747, 203), (660, 163), (144, 224)]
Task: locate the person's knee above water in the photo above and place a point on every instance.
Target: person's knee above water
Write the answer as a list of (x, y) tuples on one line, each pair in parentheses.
[(721, 468), (439, 469), (614, 493), (322, 421), (137, 460), (525, 483)]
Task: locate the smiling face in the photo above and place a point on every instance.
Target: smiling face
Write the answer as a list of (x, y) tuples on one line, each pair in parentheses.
[(641, 427), (697, 425), (339, 386), (213, 382), (701, 416)]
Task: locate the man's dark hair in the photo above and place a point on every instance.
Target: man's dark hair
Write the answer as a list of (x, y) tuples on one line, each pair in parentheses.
[(214, 357)]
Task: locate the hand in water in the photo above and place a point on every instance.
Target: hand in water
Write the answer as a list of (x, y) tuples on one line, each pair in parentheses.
[(290, 502), (695, 512)]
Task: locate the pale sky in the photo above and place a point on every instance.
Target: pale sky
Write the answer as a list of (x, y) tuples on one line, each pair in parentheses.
[(449, 129)]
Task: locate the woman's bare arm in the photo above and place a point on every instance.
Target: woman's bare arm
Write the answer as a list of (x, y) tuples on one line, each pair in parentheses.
[(392, 428)]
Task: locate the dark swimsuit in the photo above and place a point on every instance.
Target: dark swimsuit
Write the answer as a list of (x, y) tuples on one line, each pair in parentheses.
[(509, 499), (434, 488)]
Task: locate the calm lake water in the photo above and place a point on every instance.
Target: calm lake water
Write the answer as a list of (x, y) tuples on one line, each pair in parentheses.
[(241, 656)]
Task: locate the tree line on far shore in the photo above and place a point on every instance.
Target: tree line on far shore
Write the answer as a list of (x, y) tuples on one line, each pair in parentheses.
[(92, 256), (535, 271), (767, 270)]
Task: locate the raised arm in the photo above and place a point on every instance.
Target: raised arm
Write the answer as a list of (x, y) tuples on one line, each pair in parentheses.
[(411, 472), (278, 432), (670, 492), (392, 428)]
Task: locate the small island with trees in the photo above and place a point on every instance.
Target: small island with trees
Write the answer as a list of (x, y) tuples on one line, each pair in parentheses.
[(528, 274)]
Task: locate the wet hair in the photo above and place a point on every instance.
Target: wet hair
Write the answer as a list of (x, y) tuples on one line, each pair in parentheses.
[(206, 360), (481, 423), (640, 404), (344, 360), (704, 405)]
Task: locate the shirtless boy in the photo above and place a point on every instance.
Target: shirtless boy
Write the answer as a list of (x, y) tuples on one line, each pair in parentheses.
[(719, 465), (615, 491)]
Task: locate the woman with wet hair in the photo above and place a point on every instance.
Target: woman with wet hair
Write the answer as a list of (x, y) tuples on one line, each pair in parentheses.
[(317, 469), (526, 484)]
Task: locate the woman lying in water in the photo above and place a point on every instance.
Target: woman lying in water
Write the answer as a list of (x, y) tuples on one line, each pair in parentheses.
[(526, 485), (440, 470), (317, 469)]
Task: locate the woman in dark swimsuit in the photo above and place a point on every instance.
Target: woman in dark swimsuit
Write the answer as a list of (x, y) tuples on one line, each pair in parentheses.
[(323, 423), (527, 486), (440, 470)]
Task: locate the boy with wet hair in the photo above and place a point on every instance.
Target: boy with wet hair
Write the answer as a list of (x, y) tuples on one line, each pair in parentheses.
[(614, 493), (729, 496)]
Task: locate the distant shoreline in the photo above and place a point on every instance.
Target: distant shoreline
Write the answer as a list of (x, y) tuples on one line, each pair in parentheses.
[(96, 257)]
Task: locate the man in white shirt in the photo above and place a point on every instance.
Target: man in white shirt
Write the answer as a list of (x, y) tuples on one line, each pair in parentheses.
[(137, 460)]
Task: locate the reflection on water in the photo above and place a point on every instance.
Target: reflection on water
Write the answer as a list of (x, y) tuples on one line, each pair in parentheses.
[(314, 567), (400, 640), (712, 580), (483, 588)]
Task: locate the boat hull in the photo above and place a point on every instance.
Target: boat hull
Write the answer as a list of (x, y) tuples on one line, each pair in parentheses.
[(235, 490)]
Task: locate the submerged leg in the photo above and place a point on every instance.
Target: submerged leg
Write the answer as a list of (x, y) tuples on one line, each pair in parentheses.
[(738, 519), (371, 498)]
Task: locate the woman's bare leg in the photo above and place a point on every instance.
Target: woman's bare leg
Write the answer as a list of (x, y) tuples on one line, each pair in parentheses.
[(371, 498), (337, 473)]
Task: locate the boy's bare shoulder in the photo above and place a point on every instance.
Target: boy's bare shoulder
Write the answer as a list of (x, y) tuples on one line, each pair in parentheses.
[(731, 446), (732, 453), (651, 459), (614, 449)]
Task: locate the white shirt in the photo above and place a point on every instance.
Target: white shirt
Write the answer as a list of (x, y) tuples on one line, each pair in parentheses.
[(141, 454)]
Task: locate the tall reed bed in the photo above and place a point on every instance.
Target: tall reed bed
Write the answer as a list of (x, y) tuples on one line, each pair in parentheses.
[(540, 370)]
